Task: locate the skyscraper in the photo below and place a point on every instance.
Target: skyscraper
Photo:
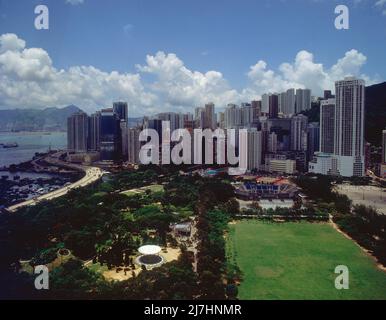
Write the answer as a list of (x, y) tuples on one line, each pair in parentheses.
[(246, 114), (176, 120), (307, 99), (210, 116), (290, 102), (287, 102), (221, 119), (282, 128), (282, 102), (384, 146), (155, 124), (272, 142), (254, 149), (77, 132), (382, 167), (187, 117), (265, 103), (124, 139), (232, 117), (199, 117), (256, 107), (94, 128), (110, 135), (303, 100), (327, 94), (121, 109), (299, 127), (313, 139), (134, 145), (348, 158), (70, 134), (327, 126), (273, 106), (349, 126)]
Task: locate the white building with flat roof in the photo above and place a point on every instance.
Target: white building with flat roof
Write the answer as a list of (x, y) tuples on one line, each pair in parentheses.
[(348, 155), (349, 126), (321, 164), (282, 166)]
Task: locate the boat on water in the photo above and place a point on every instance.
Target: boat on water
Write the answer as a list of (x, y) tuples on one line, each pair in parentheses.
[(10, 145)]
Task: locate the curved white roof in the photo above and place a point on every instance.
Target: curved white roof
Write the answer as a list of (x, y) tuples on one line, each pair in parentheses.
[(149, 249)]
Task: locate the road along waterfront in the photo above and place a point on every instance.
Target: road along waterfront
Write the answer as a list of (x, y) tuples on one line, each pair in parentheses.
[(92, 174)]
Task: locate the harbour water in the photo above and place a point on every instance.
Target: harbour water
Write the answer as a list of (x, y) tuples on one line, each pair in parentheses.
[(28, 144), (27, 175)]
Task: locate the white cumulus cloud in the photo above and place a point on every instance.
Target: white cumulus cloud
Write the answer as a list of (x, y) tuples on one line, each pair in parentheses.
[(380, 3), (179, 87), (74, 2), (10, 42), (304, 72), (29, 79)]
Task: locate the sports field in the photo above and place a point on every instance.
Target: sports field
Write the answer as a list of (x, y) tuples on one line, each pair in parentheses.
[(297, 261)]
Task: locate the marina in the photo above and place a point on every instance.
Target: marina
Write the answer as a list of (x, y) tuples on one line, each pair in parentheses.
[(16, 187)]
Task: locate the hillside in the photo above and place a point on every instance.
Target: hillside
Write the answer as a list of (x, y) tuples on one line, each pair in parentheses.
[(50, 119), (375, 112)]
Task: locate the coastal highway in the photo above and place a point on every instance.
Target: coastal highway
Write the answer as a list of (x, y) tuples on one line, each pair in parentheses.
[(92, 174)]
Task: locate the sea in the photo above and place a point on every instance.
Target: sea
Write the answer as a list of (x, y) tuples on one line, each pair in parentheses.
[(28, 144)]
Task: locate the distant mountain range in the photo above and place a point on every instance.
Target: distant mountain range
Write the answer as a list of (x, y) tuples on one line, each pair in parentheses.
[(50, 119), (134, 122), (55, 119)]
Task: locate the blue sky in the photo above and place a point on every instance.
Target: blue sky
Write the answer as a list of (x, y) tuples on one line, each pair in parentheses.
[(227, 36)]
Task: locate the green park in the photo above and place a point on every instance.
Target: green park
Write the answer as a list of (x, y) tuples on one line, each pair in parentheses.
[(298, 260)]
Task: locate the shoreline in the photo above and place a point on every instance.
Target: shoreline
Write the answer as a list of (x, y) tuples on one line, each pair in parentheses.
[(34, 166), (92, 174), (50, 164), (33, 178), (30, 145)]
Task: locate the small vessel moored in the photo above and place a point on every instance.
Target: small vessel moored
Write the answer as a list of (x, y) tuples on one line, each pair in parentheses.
[(10, 145)]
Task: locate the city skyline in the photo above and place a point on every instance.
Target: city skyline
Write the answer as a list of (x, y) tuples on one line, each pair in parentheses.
[(166, 73), (193, 151), (269, 136)]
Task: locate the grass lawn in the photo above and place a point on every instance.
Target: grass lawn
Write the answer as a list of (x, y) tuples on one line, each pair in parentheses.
[(152, 188), (297, 261), (97, 267)]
